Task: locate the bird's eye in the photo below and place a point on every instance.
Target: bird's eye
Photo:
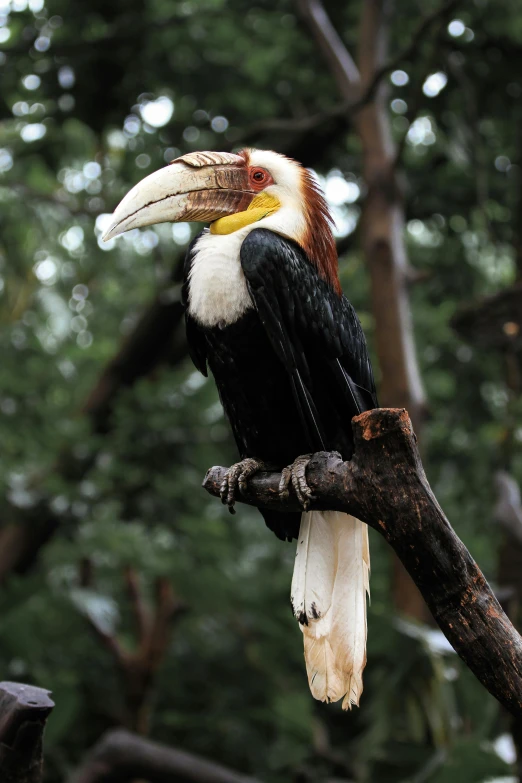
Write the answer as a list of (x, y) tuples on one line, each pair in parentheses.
[(260, 178)]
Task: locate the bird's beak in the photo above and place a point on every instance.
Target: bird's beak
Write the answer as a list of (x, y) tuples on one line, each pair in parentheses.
[(202, 186)]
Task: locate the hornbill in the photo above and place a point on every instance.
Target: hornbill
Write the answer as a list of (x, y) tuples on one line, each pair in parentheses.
[(265, 312)]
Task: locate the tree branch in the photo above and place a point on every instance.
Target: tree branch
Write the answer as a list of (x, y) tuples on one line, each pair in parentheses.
[(122, 756), (138, 667), (493, 322), (24, 710), (385, 486), (341, 63), (358, 98), (424, 27)]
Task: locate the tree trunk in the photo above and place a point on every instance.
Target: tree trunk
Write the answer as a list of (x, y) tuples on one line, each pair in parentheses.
[(382, 229), (382, 238)]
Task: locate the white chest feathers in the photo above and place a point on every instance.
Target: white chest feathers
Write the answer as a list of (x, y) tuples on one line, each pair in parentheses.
[(218, 293)]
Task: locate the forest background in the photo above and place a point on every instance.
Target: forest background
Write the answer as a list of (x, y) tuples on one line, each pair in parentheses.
[(125, 589)]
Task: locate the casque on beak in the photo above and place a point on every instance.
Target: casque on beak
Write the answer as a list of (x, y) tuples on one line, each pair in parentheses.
[(202, 186)]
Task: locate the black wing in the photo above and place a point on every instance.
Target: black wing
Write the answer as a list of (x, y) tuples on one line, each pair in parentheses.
[(309, 325)]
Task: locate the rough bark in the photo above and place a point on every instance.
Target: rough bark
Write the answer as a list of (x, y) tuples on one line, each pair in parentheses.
[(24, 710), (385, 486), (122, 756)]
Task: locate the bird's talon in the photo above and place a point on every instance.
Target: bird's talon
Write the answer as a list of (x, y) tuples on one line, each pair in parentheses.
[(286, 475), (223, 490), (236, 478), (295, 475)]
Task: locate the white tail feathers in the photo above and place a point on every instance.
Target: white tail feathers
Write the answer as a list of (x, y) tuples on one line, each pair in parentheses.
[(329, 587)]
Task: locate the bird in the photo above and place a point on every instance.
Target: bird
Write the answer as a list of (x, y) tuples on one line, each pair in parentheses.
[(265, 313)]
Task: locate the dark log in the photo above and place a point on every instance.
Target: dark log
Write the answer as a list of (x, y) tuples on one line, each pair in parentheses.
[(24, 710), (122, 756), (385, 486)]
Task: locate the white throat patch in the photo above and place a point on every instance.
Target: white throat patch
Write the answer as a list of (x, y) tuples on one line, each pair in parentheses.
[(218, 293)]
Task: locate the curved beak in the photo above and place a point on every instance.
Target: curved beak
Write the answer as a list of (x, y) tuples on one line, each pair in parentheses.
[(202, 186)]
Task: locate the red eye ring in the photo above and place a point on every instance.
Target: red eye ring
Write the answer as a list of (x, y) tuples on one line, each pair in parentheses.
[(259, 177)]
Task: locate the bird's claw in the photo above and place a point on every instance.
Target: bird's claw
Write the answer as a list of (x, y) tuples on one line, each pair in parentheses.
[(236, 478), (295, 475)]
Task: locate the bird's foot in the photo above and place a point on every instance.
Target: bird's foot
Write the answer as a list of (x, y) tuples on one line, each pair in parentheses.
[(236, 478), (295, 474)]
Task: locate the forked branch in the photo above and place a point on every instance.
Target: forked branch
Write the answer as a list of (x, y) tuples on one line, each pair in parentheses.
[(138, 667), (385, 486)]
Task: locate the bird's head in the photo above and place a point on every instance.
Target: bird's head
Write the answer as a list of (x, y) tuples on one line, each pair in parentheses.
[(255, 188)]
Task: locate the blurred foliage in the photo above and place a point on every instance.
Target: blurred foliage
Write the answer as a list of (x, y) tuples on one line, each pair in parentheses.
[(95, 95)]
